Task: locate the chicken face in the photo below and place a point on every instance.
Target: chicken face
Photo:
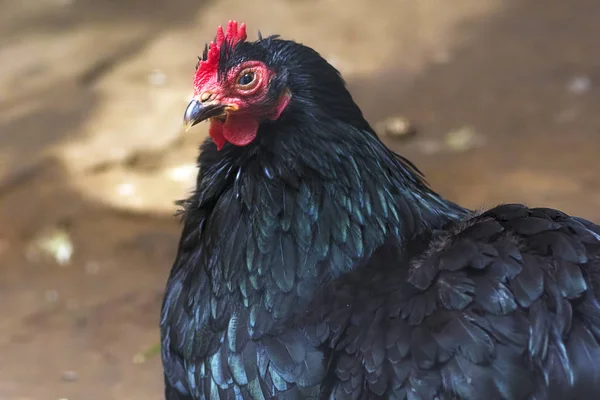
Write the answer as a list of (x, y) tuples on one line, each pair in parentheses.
[(231, 90)]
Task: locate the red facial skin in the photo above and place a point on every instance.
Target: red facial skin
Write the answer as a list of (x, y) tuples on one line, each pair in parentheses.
[(245, 103)]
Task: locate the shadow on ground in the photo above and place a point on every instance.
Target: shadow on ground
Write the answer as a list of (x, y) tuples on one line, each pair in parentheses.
[(510, 81), (45, 48)]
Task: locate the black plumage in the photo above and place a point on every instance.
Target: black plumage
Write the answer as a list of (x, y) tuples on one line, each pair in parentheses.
[(316, 263)]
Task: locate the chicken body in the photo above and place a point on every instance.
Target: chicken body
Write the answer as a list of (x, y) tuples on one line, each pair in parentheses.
[(315, 263)]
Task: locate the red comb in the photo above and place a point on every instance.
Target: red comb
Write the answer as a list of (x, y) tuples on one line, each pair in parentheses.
[(210, 59)]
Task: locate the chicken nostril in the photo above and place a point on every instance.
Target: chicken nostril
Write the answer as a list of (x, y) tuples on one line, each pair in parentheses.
[(205, 96)]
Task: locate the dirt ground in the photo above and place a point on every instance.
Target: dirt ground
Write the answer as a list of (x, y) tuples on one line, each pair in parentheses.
[(504, 94)]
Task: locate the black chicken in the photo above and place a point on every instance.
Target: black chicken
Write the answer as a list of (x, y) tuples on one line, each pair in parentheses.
[(316, 263)]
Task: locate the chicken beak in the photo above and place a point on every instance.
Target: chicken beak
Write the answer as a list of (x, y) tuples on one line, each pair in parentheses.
[(198, 111)]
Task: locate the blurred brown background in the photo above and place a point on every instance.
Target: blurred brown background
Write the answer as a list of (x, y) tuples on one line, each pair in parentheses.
[(505, 96)]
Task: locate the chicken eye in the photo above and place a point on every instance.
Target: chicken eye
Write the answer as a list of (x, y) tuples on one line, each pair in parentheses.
[(246, 78)]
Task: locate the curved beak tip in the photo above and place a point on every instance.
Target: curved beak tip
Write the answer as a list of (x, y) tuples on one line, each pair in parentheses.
[(197, 112), (192, 114)]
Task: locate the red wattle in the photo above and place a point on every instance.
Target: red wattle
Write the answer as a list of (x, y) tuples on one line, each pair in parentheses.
[(237, 131), (216, 133), (240, 131)]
